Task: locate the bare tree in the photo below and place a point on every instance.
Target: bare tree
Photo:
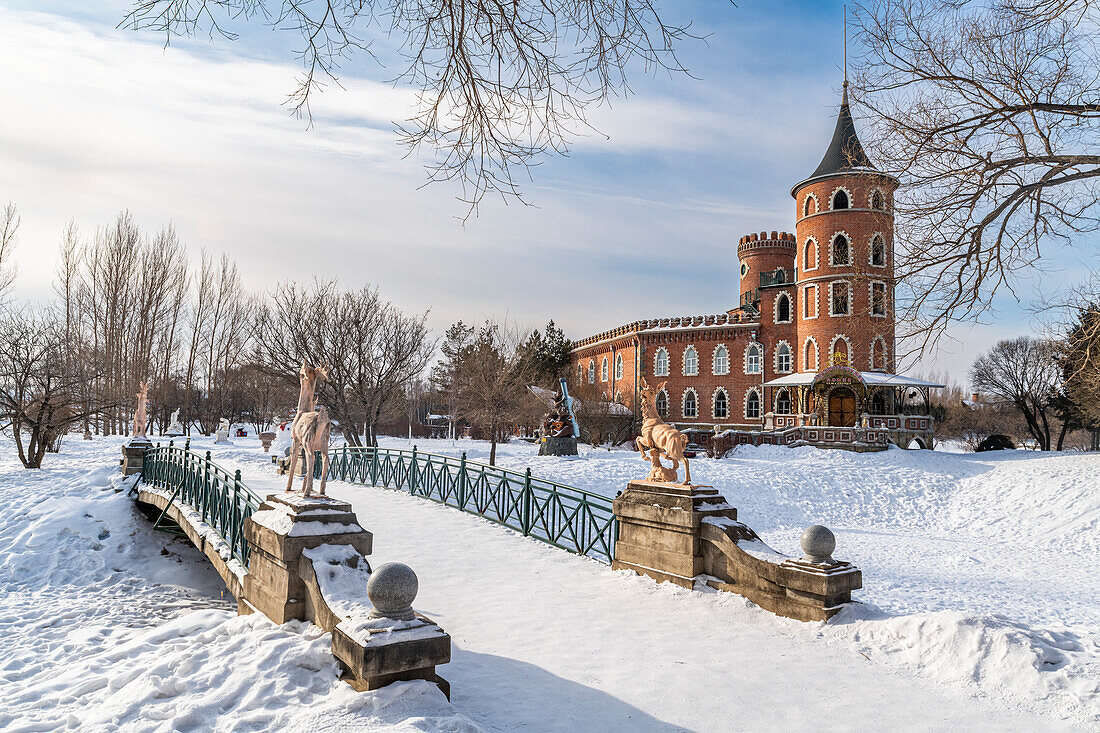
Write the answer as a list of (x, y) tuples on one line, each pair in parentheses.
[(9, 228), (1024, 373), (987, 113), (499, 83)]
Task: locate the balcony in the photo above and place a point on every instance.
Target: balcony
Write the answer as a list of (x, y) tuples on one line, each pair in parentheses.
[(780, 276)]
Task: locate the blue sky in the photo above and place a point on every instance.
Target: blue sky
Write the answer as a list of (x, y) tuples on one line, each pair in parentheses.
[(640, 222)]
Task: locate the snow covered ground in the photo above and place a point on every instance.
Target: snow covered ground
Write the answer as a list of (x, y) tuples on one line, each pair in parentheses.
[(981, 608)]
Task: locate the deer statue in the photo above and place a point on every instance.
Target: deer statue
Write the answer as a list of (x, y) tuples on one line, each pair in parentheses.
[(310, 430), (659, 438), (141, 413)]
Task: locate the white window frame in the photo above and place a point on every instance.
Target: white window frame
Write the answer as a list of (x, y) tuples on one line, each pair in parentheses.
[(619, 370), (851, 248), (759, 404), (851, 299), (847, 342), (817, 254), (694, 370), (871, 299), (790, 307), (603, 370), (759, 358), (832, 198), (714, 404), (657, 402), (871, 199), (805, 201), (657, 371), (817, 355), (591, 371), (871, 251), (790, 402), (715, 366), (790, 358), (879, 339), (806, 301), (683, 404)]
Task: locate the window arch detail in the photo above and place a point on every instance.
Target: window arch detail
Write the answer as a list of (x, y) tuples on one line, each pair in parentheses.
[(619, 366), (591, 371), (841, 198), (879, 356), (810, 355), (720, 404), (840, 345), (840, 249), (754, 359), (782, 402), (809, 254), (690, 405), (810, 205), (603, 370), (876, 250), (876, 199), (753, 404), (784, 359), (691, 362), (660, 362), (721, 359), (662, 403), (783, 308)]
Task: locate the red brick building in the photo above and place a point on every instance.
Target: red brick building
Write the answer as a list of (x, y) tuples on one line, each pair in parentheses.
[(811, 341)]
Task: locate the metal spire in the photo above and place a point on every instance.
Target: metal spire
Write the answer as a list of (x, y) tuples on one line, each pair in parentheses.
[(845, 45)]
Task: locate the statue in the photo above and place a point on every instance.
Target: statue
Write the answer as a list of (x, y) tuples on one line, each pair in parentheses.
[(141, 415), (222, 435), (658, 437), (559, 431), (174, 427), (310, 430)]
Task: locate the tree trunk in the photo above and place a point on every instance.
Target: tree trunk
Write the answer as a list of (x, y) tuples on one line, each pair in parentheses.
[(493, 444)]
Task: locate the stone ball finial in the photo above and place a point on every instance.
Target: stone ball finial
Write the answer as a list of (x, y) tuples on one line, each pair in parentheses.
[(391, 589), (818, 542)]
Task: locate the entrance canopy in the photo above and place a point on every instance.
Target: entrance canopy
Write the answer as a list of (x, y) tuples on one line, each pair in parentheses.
[(871, 379)]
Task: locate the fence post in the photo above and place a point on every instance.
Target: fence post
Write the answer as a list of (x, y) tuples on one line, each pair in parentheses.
[(412, 473), (374, 466), (235, 528), (526, 518), (206, 487), (462, 482)]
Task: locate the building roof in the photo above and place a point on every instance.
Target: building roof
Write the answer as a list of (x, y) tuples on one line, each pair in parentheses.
[(871, 379), (845, 152)]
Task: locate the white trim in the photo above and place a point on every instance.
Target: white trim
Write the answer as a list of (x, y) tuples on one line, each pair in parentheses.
[(817, 253), (619, 368), (603, 370), (851, 298), (668, 402), (759, 401), (683, 404), (714, 404), (790, 355), (851, 246), (847, 342), (817, 204), (790, 307), (832, 198), (871, 299), (806, 301), (817, 355), (759, 354), (775, 401), (744, 269), (591, 371), (656, 362), (885, 354), (871, 251), (871, 199), (684, 361), (714, 360)]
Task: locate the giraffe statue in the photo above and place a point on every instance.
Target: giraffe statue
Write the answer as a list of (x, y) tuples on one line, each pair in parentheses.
[(141, 414), (310, 430), (658, 437)]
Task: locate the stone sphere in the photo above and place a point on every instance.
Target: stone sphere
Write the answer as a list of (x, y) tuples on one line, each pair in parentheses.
[(391, 589), (818, 543)]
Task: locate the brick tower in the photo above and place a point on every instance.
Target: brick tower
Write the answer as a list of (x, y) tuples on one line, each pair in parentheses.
[(845, 233)]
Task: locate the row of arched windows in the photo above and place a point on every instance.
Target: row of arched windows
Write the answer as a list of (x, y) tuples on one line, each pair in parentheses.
[(842, 199), (841, 251), (720, 404), (619, 370), (720, 362), (840, 345)]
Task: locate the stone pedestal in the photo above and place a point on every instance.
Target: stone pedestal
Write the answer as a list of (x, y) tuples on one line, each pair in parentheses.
[(266, 439), (659, 529), (558, 447), (133, 456), (285, 525)]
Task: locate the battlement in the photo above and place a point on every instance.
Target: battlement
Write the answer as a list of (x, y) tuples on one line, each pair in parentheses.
[(783, 240)]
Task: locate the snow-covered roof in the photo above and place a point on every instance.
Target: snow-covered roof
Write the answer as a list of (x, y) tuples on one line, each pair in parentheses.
[(871, 379)]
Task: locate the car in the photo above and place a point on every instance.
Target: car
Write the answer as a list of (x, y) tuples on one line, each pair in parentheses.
[(692, 450)]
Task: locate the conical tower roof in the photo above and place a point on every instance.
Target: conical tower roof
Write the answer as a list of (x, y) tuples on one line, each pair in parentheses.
[(845, 152)]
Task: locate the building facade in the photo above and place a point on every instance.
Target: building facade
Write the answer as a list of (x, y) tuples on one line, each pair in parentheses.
[(820, 298)]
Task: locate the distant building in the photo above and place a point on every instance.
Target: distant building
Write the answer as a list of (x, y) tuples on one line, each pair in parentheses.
[(811, 340)]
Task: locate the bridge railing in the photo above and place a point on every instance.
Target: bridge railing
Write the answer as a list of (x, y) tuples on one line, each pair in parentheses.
[(219, 497), (560, 515)]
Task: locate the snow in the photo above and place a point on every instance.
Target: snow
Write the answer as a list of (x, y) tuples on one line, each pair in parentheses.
[(981, 608), (279, 520)]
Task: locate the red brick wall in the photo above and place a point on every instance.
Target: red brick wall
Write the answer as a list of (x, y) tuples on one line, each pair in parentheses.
[(860, 223)]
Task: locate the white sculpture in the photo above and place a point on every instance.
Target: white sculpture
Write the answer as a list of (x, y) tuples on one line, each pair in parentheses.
[(222, 436), (174, 428)]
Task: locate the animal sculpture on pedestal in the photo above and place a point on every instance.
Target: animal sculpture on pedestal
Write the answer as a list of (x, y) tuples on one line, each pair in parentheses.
[(140, 414), (659, 438), (310, 430)]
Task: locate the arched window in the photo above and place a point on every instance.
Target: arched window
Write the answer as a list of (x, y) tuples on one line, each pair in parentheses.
[(783, 358), (809, 357), (580, 372), (691, 361), (840, 199), (878, 353), (753, 360), (721, 405), (591, 371), (603, 370), (783, 402), (809, 255), (878, 202), (839, 353), (878, 251), (618, 366), (721, 360), (752, 405), (841, 251), (660, 363), (878, 299), (840, 299), (783, 308), (810, 206), (878, 403), (662, 403), (691, 404)]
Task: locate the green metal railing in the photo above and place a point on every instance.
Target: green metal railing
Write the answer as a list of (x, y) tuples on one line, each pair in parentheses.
[(219, 497), (560, 515)]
